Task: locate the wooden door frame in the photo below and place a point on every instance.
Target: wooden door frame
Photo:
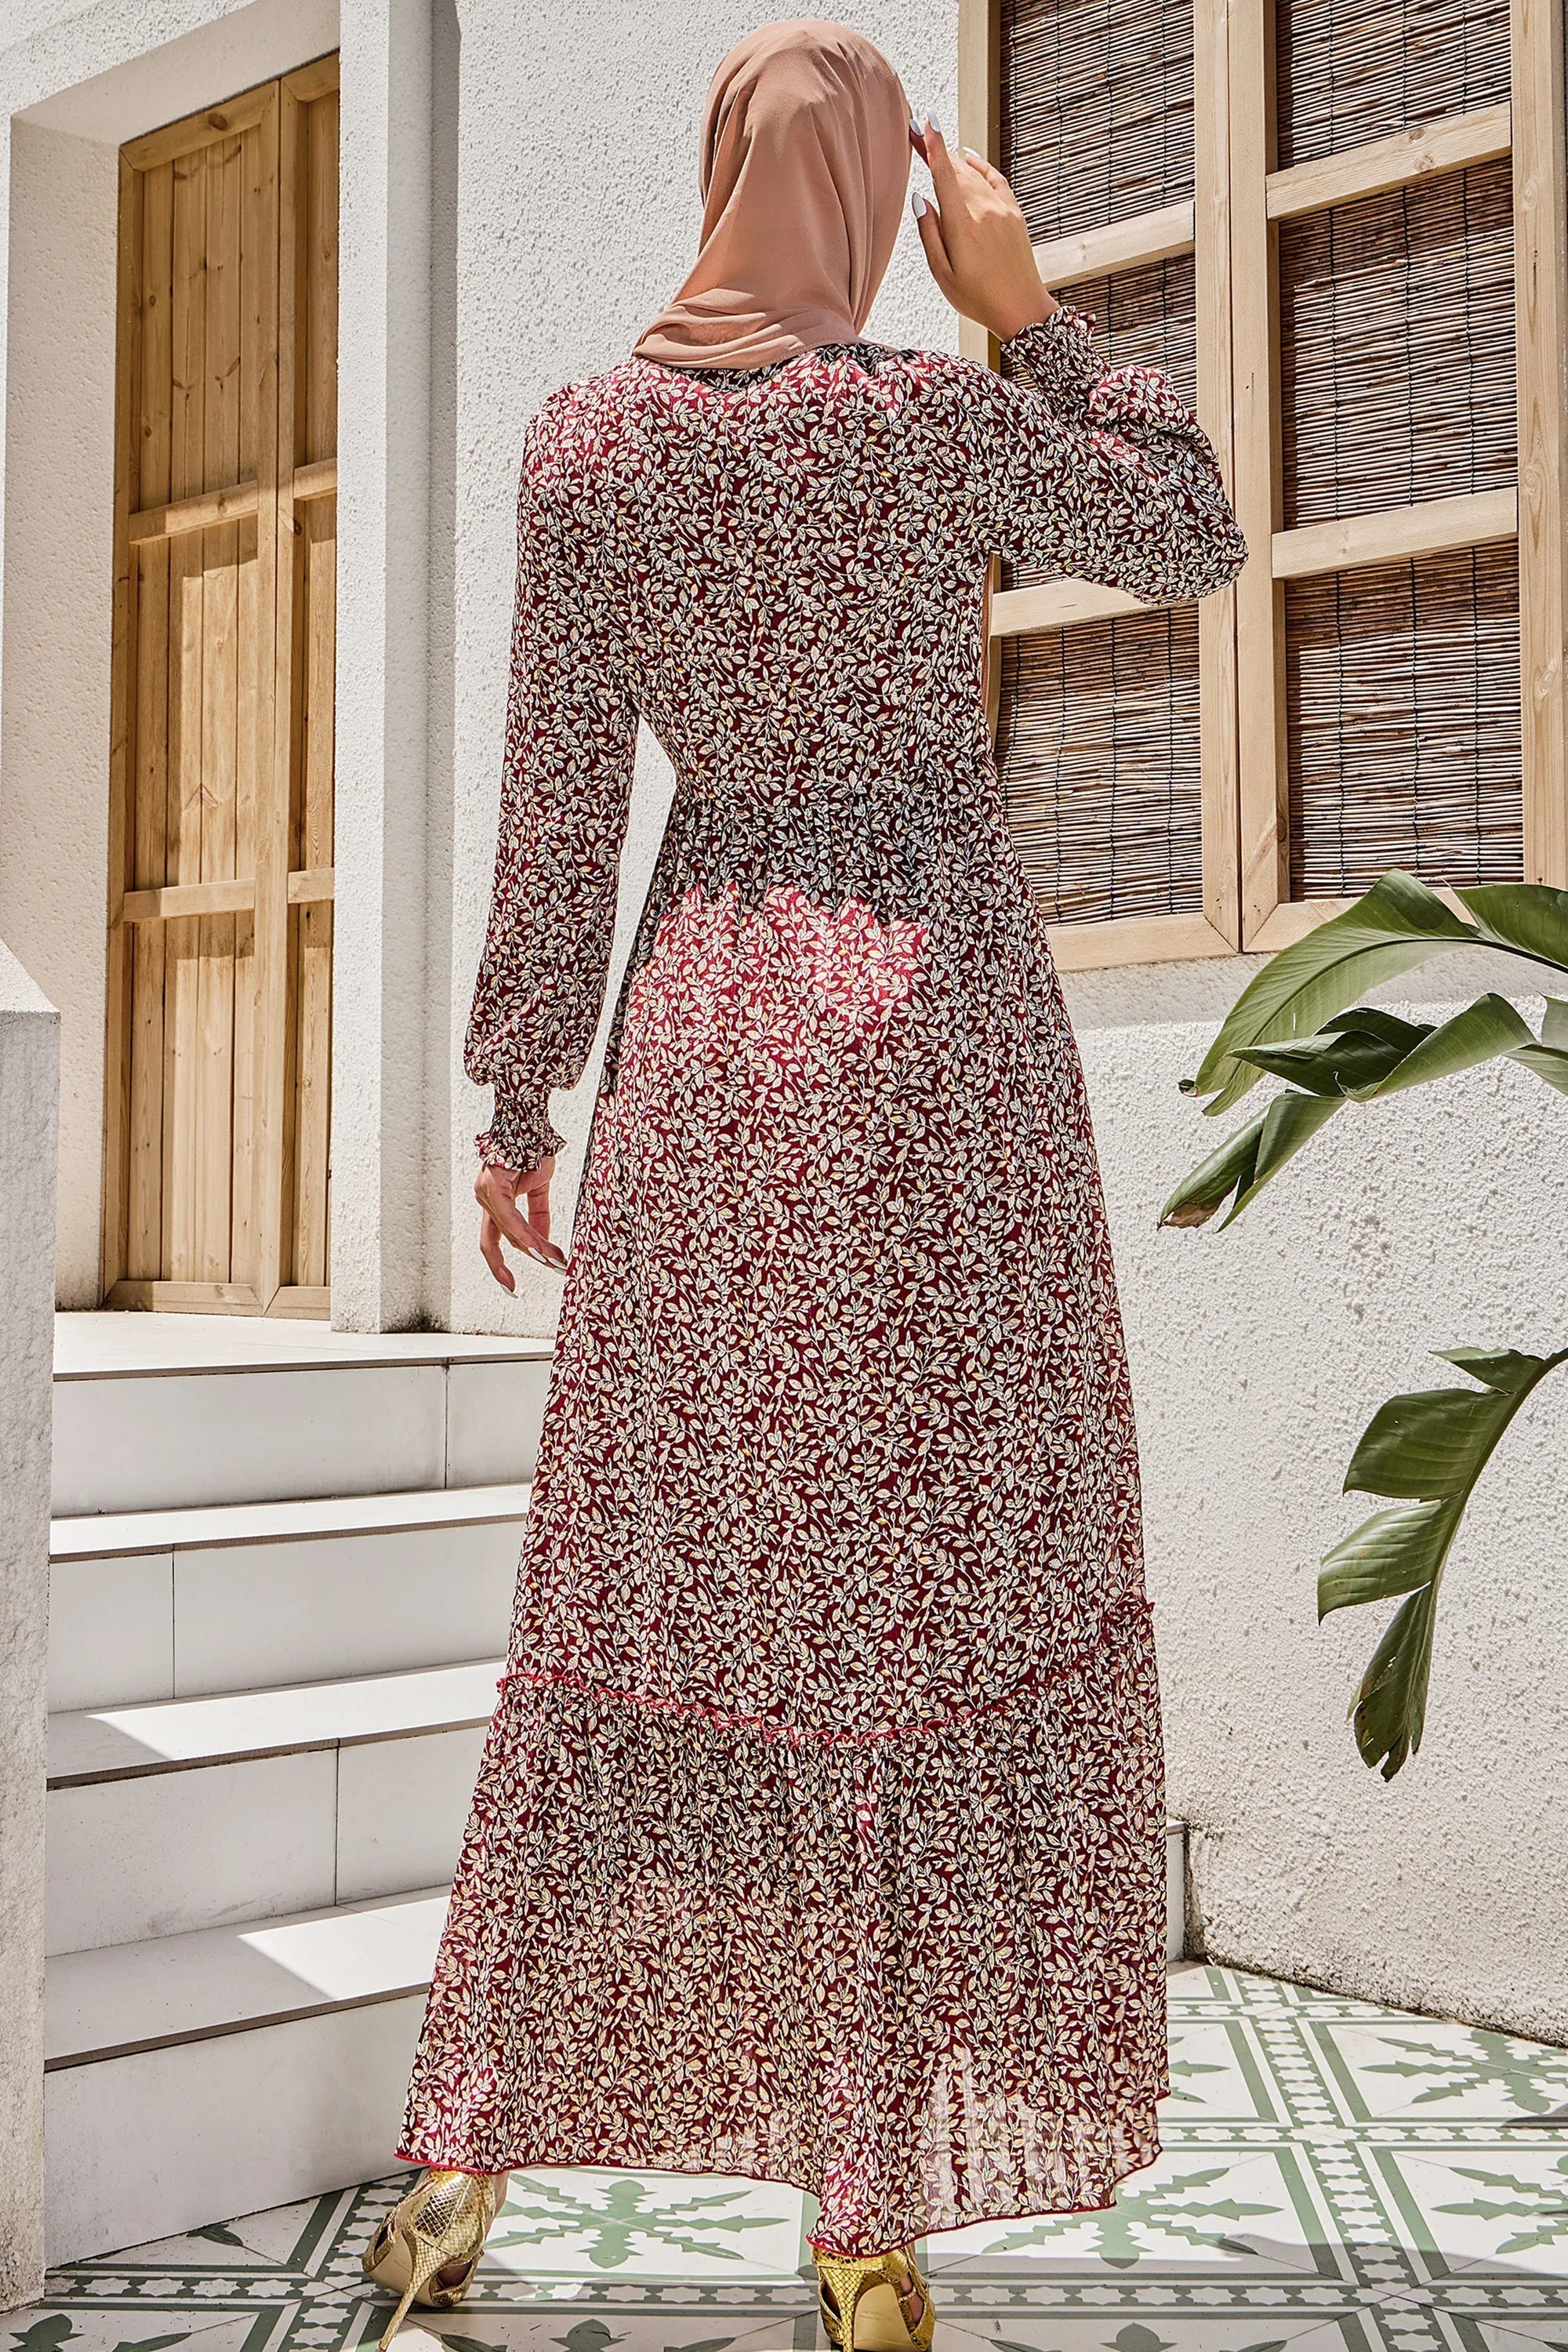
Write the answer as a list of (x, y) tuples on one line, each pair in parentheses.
[(1232, 230)]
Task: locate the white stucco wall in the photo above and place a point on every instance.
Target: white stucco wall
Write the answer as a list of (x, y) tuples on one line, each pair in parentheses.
[(545, 162), (29, 1049), (1430, 1220)]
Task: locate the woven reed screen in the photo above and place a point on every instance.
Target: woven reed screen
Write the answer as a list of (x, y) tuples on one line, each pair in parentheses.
[(1097, 746), (1396, 347), (1347, 73), (1096, 108), (1396, 384), (1098, 737), (1403, 722)]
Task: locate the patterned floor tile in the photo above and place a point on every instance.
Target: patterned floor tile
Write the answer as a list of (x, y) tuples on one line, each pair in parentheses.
[(1430, 2067), (1199, 2209), (560, 2224), (94, 2331), (638, 2333), (1156, 2332), (1501, 2207), (1336, 2179), (1548, 2336)]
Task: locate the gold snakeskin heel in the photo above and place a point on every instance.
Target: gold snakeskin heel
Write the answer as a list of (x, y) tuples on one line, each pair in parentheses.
[(445, 2220), (882, 2285)]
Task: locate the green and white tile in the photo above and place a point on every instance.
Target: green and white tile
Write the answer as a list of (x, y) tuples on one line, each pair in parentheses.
[(589, 2224), (1337, 2178)]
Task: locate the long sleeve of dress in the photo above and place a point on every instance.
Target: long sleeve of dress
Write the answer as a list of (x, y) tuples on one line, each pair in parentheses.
[(1103, 473), (570, 742)]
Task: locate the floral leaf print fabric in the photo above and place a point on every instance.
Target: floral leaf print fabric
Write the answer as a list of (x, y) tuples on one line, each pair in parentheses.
[(819, 1834)]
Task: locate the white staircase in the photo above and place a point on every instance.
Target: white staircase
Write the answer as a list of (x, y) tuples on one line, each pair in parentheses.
[(282, 1570)]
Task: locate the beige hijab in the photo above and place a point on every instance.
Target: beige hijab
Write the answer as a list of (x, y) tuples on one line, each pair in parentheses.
[(805, 160)]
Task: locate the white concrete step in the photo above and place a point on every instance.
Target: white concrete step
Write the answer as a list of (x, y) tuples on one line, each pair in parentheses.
[(149, 1605), (170, 1411), (228, 2070), (191, 1813)]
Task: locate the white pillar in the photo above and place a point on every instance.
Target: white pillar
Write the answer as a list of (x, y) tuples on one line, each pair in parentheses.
[(29, 1113), (380, 963)]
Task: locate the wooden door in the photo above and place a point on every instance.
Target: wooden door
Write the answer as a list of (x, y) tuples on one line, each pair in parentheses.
[(216, 1192)]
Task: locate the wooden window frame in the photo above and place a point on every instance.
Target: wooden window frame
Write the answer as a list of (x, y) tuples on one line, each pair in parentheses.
[(1529, 129), (278, 488), (1232, 228), (1201, 228)]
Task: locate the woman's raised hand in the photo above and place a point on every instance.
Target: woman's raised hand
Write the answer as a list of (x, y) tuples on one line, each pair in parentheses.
[(977, 241), (518, 1207)]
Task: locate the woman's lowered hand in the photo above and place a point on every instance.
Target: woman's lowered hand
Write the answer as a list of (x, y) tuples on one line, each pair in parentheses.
[(518, 1209), (977, 241)]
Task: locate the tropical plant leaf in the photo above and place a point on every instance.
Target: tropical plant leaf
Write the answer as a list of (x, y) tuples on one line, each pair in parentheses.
[(1195, 1200), (1481, 1032), (1396, 926), (1389, 1554), (1429, 1444), (1389, 1713), (1290, 1121), (1363, 1055), (1350, 1053), (1427, 1449), (1252, 1158), (1524, 918), (1359, 1055), (1507, 1369)]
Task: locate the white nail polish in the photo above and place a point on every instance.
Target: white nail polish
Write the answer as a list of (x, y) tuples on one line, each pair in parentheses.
[(917, 205), (915, 127), (932, 124)]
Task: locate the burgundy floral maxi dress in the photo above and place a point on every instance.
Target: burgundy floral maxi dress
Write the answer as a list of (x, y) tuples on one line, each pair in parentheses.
[(819, 1834)]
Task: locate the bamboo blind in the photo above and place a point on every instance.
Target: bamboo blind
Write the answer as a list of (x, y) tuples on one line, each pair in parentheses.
[(1347, 74), (1396, 347), (220, 801), (1100, 744), (1413, 667), (1096, 108), (1116, 723)]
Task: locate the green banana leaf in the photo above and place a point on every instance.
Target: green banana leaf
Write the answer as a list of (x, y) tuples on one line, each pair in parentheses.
[(1250, 1159), (1359, 1055), (1527, 918), (1398, 924), (1425, 1450)]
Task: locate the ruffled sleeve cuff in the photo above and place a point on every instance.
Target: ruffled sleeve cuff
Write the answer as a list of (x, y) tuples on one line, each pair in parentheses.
[(1057, 359), (519, 1135)]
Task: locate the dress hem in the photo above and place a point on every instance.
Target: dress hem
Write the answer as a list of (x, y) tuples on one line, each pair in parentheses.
[(783, 2181)]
